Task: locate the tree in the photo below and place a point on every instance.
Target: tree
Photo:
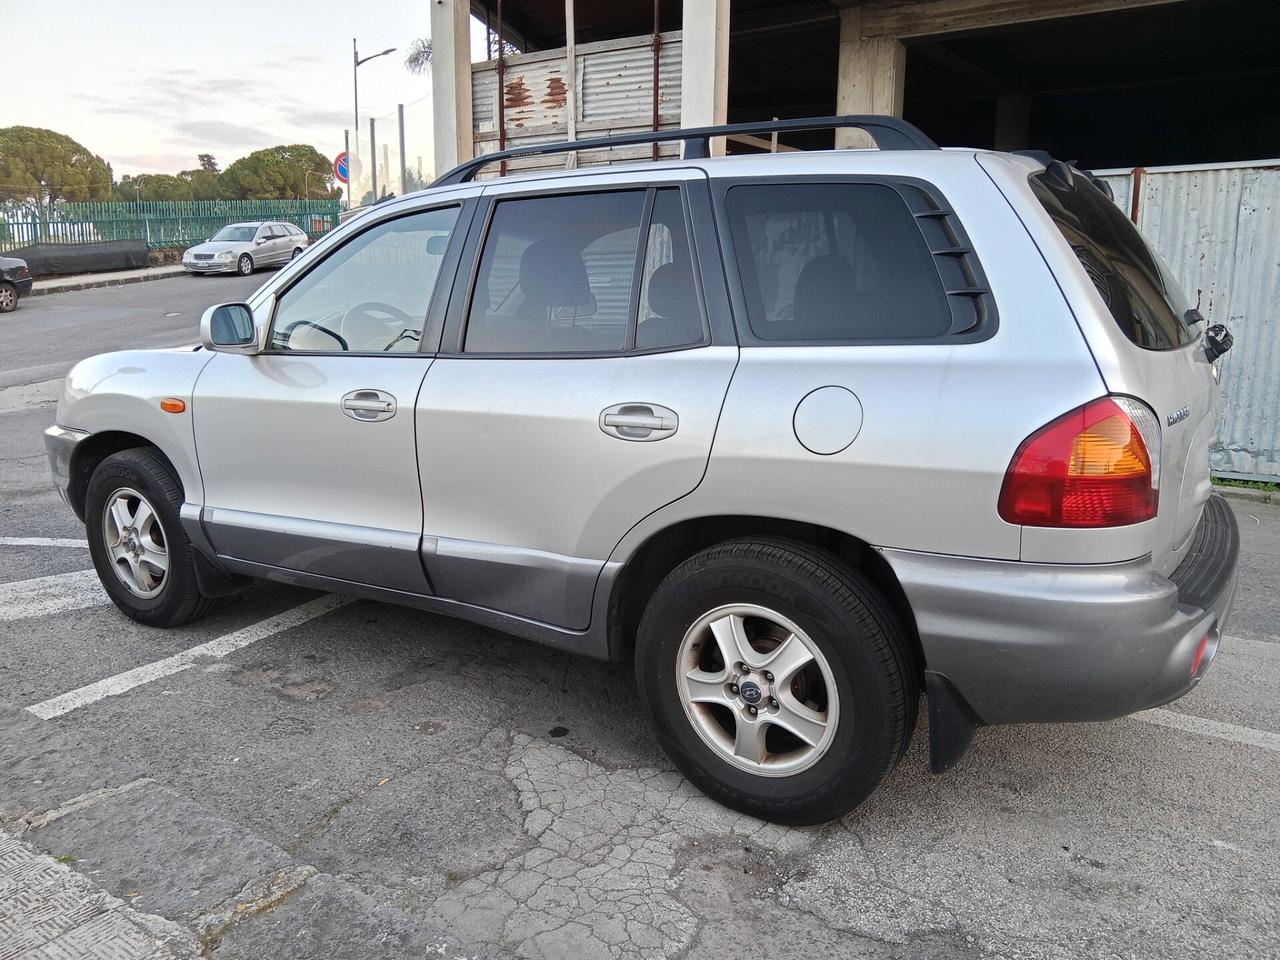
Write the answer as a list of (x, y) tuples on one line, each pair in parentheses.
[(152, 186), (279, 173), (418, 60), (205, 184), (207, 163), (47, 166)]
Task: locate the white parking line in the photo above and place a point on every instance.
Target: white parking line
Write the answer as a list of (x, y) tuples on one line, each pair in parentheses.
[(213, 649), (42, 542), (1246, 736), (42, 596)]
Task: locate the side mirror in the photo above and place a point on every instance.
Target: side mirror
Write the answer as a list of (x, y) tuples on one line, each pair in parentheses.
[(229, 328), (261, 240)]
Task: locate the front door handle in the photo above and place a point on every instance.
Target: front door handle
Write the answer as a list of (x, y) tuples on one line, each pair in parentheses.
[(369, 406), (639, 421)]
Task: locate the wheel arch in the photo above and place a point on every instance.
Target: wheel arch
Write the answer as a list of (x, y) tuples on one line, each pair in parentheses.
[(667, 548), (97, 447)]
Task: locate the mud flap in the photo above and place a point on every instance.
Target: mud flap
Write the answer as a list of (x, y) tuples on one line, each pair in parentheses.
[(952, 723)]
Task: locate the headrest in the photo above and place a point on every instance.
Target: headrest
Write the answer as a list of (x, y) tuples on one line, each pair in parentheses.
[(671, 290), (552, 274)]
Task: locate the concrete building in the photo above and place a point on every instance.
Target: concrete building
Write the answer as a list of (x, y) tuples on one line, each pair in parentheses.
[(1177, 101)]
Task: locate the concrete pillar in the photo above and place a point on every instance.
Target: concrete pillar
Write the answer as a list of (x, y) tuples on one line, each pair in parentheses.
[(870, 76), (1013, 122), (704, 66), (451, 82)]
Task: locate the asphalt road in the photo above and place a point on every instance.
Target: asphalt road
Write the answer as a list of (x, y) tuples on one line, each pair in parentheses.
[(356, 780)]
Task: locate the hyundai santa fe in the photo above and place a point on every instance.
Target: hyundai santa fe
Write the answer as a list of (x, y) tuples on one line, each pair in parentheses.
[(803, 436)]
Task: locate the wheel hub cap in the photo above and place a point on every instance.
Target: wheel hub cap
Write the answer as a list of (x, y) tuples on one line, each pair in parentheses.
[(135, 541)]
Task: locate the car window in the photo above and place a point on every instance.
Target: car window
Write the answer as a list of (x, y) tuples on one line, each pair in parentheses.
[(556, 275), (236, 233), (371, 294), (835, 261), (670, 315), (1145, 302)]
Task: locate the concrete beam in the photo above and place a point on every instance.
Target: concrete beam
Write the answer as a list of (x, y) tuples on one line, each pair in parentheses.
[(451, 82), (926, 18), (870, 76), (704, 66)]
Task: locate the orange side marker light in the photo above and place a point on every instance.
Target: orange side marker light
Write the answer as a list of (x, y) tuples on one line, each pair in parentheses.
[(173, 405)]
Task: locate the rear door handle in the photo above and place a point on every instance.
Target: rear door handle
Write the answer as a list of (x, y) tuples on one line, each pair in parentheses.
[(639, 421), (369, 406)]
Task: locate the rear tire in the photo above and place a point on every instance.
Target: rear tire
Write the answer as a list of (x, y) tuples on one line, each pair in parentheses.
[(297, 252), (139, 548), (8, 297), (854, 697)]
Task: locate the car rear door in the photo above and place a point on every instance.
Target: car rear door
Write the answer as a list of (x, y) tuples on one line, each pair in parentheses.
[(585, 359)]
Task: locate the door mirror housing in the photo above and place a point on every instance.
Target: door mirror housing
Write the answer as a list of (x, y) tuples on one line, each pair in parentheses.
[(229, 328)]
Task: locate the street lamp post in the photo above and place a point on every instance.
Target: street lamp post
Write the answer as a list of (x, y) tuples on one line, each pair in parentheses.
[(356, 60)]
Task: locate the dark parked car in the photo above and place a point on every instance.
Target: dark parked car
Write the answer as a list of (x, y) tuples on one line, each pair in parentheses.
[(15, 282)]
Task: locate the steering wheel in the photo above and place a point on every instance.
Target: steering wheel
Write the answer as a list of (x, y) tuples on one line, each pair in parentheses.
[(371, 324), (288, 332)]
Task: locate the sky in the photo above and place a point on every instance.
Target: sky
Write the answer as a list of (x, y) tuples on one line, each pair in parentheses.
[(147, 85)]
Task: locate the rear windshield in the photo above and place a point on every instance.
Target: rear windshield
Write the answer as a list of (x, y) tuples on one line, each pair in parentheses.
[(1143, 298)]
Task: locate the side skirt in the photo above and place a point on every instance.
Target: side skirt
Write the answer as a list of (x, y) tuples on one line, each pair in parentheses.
[(591, 642)]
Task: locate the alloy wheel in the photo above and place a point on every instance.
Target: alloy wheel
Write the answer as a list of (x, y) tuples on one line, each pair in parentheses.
[(757, 689), (136, 542)]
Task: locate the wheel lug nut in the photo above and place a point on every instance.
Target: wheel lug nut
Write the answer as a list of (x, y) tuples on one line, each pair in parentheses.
[(752, 711), (768, 676), (733, 688), (773, 702)]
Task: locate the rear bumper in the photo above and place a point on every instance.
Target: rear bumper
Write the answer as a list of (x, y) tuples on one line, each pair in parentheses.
[(23, 286), (1029, 642)]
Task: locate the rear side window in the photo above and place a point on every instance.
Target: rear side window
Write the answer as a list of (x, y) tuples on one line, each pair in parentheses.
[(836, 261), (1143, 298), (592, 273)]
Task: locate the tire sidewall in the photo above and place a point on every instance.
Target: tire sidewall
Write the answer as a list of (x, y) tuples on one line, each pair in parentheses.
[(112, 474), (13, 303), (240, 265), (864, 746)]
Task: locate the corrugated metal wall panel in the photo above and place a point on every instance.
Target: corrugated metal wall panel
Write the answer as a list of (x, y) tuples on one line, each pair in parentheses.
[(615, 95), (1218, 226)]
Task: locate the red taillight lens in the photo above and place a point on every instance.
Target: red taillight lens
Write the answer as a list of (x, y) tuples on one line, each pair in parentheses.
[(1089, 468), (23, 272)]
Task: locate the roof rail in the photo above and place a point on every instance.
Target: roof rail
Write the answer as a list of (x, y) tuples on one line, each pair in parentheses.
[(889, 133)]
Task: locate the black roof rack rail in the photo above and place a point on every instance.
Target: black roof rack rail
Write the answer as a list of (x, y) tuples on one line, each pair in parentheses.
[(889, 133)]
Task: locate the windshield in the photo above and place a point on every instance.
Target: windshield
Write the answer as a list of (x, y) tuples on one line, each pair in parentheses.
[(1132, 280), (235, 232)]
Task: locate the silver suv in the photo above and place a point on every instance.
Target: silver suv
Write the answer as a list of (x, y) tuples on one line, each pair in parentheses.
[(803, 436)]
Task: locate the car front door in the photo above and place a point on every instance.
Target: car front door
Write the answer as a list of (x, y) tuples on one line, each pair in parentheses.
[(586, 355), (307, 449)]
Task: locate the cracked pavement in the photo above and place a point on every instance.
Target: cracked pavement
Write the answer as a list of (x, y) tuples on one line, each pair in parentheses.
[(378, 782)]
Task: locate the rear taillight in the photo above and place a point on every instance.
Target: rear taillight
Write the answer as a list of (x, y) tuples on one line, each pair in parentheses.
[(1097, 466), (23, 272)]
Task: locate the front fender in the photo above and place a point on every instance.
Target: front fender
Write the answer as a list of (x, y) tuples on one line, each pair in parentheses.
[(121, 392)]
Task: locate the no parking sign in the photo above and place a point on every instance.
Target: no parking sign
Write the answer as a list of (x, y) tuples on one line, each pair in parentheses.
[(341, 164)]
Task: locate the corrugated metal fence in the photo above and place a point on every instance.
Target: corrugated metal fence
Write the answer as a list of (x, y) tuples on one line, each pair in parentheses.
[(162, 223), (1218, 226)]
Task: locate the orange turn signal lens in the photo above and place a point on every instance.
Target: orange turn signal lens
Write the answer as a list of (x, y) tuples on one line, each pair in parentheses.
[(173, 405)]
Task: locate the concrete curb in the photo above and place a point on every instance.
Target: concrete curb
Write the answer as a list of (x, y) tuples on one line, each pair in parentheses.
[(106, 281), (1244, 493)]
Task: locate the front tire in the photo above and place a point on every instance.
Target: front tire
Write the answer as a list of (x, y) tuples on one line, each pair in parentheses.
[(244, 266), (142, 554), (297, 252), (777, 678)]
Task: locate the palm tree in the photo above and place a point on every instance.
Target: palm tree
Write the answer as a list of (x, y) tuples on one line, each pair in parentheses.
[(418, 60)]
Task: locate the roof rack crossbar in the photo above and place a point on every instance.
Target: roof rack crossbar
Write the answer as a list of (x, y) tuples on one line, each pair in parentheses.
[(889, 133)]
